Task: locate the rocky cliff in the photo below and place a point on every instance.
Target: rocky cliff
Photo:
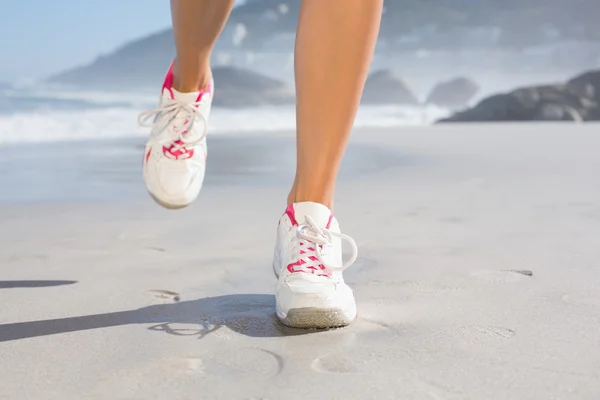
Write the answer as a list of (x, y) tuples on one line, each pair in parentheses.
[(262, 31)]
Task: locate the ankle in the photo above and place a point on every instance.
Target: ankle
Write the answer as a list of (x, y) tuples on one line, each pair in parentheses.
[(187, 85), (188, 80), (299, 196)]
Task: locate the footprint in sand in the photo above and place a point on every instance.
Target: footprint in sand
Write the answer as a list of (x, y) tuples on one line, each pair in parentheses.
[(436, 390), (505, 276), (366, 332), (480, 334), (488, 333), (369, 326), (582, 299), (250, 363), (165, 294), (245, 363), (334, 364), (452, 220), (24, 257), (156, 248), (189, 365)]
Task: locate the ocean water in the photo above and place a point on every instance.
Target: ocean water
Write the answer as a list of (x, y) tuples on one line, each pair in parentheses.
[(43, 115)]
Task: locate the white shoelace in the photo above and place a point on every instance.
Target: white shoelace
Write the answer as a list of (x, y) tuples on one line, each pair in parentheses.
[(180, 116), (312, 238)]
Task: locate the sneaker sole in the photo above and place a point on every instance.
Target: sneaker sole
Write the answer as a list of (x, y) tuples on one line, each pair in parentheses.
[(167, 205), (316, 318)]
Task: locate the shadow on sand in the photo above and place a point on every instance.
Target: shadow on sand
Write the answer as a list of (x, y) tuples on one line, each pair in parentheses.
[(247, 314)]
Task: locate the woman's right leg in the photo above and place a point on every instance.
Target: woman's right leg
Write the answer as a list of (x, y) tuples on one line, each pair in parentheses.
[(196, 27), (175, 153)]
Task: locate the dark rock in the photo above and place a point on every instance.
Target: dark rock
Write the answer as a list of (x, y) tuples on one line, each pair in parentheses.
[(237, 87), (259, 27), (229, 77), (586, 85), (500, 107), (577, 100), (556, 112), (140, 65), (455, 93), (386, 87)]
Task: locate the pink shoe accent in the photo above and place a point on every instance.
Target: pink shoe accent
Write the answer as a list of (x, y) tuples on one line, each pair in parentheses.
[(291, 213), (297, 267), (148, 154), (178, 154), (168, 84), (206, 90)]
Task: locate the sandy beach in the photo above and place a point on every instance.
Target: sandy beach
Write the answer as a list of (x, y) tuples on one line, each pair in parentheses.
[(477, 278)]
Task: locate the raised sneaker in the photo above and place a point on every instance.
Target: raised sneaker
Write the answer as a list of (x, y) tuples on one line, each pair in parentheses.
[(174, 161)]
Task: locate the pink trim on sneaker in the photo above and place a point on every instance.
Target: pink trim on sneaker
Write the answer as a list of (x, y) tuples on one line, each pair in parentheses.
[(206, 90), (180, 153), (323, 271), (291, 213), (168, 83), (329, 222), (298, 266)]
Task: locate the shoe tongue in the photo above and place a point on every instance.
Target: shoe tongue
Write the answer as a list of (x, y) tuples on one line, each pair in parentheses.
[(185, 97), (318, 212)]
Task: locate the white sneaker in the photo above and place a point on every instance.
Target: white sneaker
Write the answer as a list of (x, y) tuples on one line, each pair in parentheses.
[(175, 155), (311, 292)]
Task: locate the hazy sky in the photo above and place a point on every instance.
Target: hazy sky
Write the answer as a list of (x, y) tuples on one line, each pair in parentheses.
[(40, 37)]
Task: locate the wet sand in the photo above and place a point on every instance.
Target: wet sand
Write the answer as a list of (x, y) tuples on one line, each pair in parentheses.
[(477, 275)]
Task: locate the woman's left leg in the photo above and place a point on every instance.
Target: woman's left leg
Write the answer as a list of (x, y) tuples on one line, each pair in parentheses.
[(334, 49)]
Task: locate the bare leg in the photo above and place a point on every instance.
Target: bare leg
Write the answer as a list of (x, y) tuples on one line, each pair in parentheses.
[(196, 26), (334, 49)]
